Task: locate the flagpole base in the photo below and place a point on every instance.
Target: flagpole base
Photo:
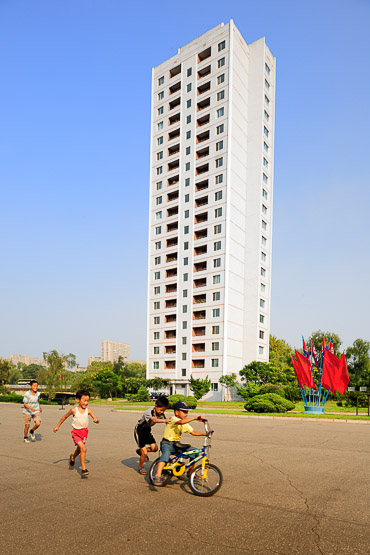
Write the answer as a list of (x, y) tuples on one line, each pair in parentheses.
[(314, 410)]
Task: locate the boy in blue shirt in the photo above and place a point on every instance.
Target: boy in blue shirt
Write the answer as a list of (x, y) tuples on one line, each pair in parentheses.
[(31, 411)]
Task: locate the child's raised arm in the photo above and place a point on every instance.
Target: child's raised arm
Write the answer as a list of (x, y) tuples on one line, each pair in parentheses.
[(96, 420), (69, 413)]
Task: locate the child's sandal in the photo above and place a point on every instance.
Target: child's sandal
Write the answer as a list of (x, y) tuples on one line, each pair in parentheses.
[(142, 471), (71, 460)]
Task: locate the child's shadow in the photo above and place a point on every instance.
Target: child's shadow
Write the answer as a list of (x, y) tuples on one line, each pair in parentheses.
[(76, 466), (38, 437), (132, 462)]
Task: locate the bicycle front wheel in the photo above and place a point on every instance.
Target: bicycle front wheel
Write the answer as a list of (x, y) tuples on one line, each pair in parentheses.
[(205, 481), (166, 474)]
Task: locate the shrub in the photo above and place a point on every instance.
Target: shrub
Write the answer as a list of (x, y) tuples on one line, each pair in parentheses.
[(4, 390), (249, 391), (191, 401), (277, 388), (142, 396), (14, 398), (271, 402), (292, 392)]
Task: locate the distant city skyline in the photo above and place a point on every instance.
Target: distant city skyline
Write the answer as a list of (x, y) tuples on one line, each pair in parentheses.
[(75, 163)]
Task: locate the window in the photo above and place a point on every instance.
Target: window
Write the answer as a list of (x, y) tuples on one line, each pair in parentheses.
[(159, 170), (186, 245), (161, 80), (185, 277), (186, 261), (187, 166), (217, 246), (184, 340), (267, 84), (187, 182), (260, 350), (216, 313), (266, 115), (214, 386), (186, 229), (186, 198), (267, 69), (184, 308), (218, 212), (221, 62), (217, 278), (160, 110), (157, 260), (219, 145), (221, 45), (265, 162), (188, 119), (183, 356), (220, 112), (158, 200), (160, 140), (156, 350), (263, 272), (188, 103), (159, 125), (161, 95), (264, 224), (156, 335), (266, 131), (185, 293), (216, 296), (262, 303), (157, 275), (220, 129), (183, 372), (157, 290), (157, 320), (263, 287), (221, 95), (157, 305), (262, 318), (219, 162), (158, 230), (267, 100), (263, 257), (264, 178), (184, 325), (217, 262), (188, 72), (219, 179), (158, 245), (215, 330), (214, 362), (220, 79), (265, 146), (215, 346), (218, 195), (159, 185), (217, 229), (264, 209), (186, 213), (187, 150), (155, 365), (263, 240), (264, 193), (158, 215)]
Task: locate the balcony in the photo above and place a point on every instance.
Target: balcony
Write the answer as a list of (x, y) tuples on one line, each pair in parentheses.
[(174, 149), (203, 104), (173, 196), (171, 287), (200, 266), (201, 169), (204, 88), (201, 185), (197, 299), (204, 71), (202, 282), (202, 201), (200, 218), (172, 242), (173, 165), (172, 211), (175, 88), (171, 257), (201, 234), (204, 55), (203, 120), (199, 314), (199, 330), (202, 152), (174, 134), (170, 318), (198, 251), (170, 349), (173, 180), (172, 227), (174, 119), (199, 347), (174, 103), (175, 71), (203, 137), (170, 334), (171, 273), (197, 363), (172, 303), (170, 364)]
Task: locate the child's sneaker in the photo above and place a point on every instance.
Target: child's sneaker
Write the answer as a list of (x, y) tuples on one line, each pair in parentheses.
[(84, 473), (26, 440), (32, 436)]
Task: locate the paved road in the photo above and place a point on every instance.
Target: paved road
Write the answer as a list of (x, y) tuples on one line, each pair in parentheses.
[(289, 487)]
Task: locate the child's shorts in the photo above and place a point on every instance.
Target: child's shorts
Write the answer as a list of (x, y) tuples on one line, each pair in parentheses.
[(143, 436), (79, 435), (27, 417)]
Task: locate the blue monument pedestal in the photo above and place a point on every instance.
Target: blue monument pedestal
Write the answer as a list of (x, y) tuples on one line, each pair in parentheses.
[(314, 410)]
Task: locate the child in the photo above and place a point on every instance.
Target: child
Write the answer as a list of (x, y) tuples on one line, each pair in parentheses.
[(79, 432), (172, 433), (143, 434), (31, 411)]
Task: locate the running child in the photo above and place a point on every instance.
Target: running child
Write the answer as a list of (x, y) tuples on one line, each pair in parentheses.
[(143, 430), (79, 431), (31, 411)]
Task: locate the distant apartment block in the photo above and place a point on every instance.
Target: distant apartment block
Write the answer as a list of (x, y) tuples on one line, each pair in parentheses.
[(111, 351), (93, 359), (210, 215), (24, 359)]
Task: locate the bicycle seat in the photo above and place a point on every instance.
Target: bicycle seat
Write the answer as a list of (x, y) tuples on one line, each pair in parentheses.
[(182, 446)]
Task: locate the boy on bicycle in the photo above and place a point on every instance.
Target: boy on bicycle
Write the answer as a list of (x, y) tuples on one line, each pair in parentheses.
[(172, 433)]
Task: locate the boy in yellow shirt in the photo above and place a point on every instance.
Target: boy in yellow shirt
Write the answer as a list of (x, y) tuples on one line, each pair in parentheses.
[(173, 431)]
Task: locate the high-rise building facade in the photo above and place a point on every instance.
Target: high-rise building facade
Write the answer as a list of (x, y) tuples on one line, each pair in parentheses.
[(211, 190), (112, 350)]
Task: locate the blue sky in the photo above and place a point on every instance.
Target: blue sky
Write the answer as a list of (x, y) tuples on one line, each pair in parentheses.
[(74, 165)]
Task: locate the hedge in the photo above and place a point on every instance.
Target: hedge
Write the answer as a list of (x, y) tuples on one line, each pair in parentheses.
[(270, 402), (191, 401)]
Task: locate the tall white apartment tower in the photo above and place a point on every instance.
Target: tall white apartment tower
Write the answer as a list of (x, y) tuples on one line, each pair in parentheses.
[(210, 216)]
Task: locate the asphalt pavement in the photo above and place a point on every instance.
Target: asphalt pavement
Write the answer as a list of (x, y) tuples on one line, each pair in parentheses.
[(290, 487)]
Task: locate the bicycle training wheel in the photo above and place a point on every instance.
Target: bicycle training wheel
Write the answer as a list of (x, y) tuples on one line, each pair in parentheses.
[(166, 474), (206, 483)]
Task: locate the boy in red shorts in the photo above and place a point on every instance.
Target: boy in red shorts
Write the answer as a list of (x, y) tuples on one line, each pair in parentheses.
[(79, 431)]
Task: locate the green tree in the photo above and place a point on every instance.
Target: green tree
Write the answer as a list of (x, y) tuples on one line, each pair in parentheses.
[(158, 383), (317, 337), (199, 386), (56, 366), (83, 380), (106, 383), (119, 366), (227, 381), (5, 368), (279, 354), (14, 375), (31, 371), (135, 370), (358, 363), (98, 366), (260, 373)]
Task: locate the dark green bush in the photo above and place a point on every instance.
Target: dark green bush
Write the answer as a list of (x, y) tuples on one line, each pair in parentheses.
[(277, 388), (142, 396), (14, 398), (292, 392), (271, 402), (191, 401), (249, 391)]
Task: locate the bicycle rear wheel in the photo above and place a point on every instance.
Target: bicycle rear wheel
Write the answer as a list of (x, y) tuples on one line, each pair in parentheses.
[(166, 474), (205, 481)]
